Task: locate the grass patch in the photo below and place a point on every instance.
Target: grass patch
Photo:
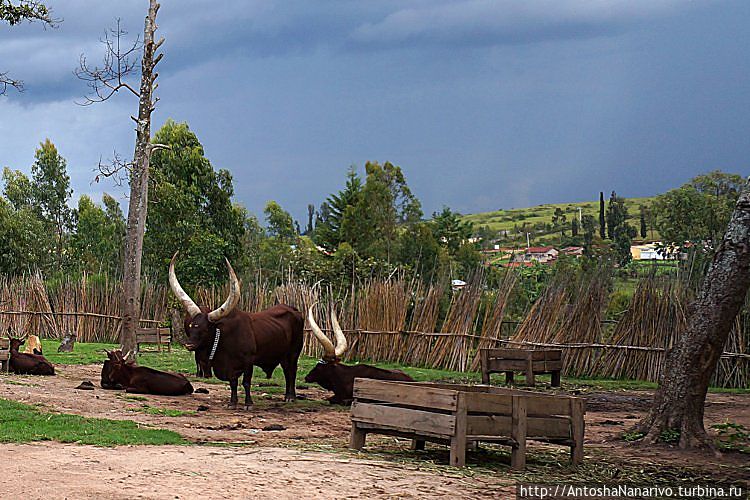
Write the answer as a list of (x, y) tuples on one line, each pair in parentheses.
[(734, 437), (21, 423), (165, 412), (83, 353), (130, 397)]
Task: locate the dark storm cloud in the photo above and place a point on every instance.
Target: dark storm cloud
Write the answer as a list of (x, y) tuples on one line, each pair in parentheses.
[(199, 31), (485, 104)]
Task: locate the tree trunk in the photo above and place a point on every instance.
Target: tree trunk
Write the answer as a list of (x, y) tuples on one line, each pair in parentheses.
[(679, 402), (138, 206)]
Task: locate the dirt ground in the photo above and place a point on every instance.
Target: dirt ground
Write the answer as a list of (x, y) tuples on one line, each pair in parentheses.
[(281, 463)]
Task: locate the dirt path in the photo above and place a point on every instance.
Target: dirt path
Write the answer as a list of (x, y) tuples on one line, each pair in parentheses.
[(304, 420), (265, 466), (177, 472)]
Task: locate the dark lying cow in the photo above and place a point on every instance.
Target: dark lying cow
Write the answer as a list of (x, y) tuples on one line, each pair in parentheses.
[(108, 381), (241, 340), (23, 363), (330, 374), (144, 380)]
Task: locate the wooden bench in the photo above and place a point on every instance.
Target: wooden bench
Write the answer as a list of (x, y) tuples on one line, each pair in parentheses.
[(531, 362), (461, 415), (159, 336), (5, 354)]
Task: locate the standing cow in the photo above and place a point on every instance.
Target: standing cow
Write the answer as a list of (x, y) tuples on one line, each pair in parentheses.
[(236, 341), (330, 374)]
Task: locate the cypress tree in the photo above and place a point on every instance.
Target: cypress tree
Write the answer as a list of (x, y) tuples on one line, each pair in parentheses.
[(602, 224)]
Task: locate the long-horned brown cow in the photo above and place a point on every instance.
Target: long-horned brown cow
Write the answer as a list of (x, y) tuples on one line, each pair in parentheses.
[(330, 374), (237, 340), (141, 379), (23, 363)]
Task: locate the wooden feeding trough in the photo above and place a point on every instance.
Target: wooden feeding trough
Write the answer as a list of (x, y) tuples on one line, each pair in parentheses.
[(531, 362), (458, 414)]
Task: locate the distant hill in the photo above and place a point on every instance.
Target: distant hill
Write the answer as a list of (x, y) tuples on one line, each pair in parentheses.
[(538, 217)]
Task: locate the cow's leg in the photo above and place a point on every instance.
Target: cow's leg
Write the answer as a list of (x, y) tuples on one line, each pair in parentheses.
[(290, 376), (246, 379), (233, 388)]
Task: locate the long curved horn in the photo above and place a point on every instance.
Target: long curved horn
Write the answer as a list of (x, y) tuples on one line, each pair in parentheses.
[(192, 309), (330, 351), (232, 300), (339, 333)]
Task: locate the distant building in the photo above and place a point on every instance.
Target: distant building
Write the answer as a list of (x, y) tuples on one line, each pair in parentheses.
[(542, 255), (573, 251), (654, 251)]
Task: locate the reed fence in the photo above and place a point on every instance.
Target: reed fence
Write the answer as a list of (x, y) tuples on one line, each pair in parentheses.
[(409, 322)]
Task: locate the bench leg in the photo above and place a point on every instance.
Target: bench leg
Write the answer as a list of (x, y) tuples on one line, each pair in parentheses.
[(518, 434), (417, 444), (529, 372), (458, 451), (357, 438), (508, 378), (458, 440), (556, 379), (577, 427)]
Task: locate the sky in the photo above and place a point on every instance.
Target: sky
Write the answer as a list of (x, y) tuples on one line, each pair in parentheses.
[(484, 104)]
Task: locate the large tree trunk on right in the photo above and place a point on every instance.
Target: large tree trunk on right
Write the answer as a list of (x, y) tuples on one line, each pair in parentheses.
[(679, 401), (137, 209)]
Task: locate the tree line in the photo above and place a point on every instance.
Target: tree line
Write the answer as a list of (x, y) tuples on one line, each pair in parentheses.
[(373, 226)]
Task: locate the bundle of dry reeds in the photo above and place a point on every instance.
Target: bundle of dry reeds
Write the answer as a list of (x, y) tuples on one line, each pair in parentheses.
[(451, 351), (492, 324), (545, 316), (583, 323), (735, 371), (424, 318), (656, 316)]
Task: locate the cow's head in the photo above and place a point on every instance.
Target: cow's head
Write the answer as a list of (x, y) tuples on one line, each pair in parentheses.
[(200, 325), (119, 365), (16, 343), (322, 374), (331, 354)]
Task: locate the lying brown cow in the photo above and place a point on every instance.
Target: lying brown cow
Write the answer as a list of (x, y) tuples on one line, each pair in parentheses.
[(330, 374), (141, 379), (107, 371), (23, 363)]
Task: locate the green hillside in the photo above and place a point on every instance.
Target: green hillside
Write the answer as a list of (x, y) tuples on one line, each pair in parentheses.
[(537, 219)]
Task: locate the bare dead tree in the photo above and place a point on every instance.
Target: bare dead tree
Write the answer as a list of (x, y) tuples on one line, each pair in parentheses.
[(25, 10), (680, 399), (118, 67)]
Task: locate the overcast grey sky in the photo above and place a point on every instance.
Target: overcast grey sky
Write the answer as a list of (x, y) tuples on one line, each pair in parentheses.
[(484, 104)]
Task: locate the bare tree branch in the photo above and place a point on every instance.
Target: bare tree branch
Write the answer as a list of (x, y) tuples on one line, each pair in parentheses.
[(6, 81), (116, 168), (118, 65)]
